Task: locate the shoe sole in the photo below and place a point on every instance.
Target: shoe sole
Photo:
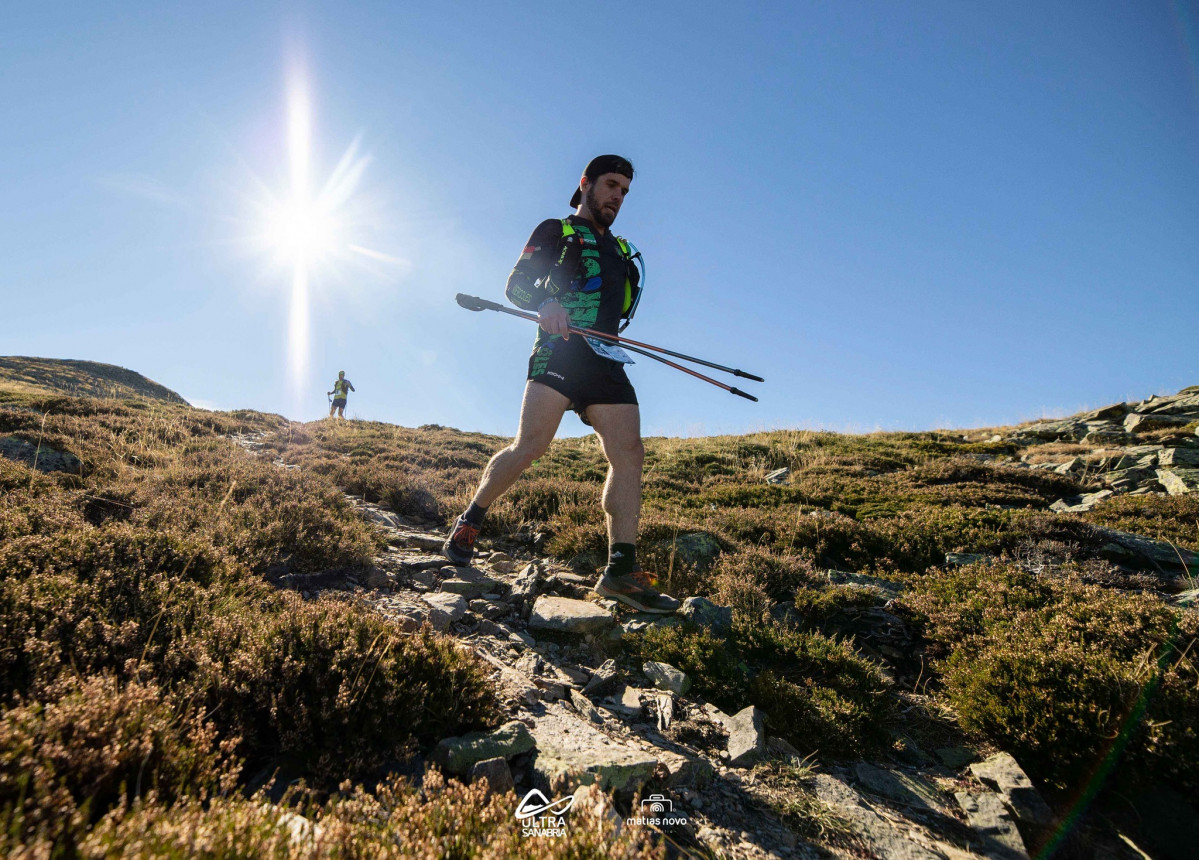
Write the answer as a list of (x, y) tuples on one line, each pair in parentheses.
[(630, 601)]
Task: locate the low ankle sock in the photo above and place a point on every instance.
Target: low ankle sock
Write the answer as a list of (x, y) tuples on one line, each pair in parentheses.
[(622, 559), (474, 514)]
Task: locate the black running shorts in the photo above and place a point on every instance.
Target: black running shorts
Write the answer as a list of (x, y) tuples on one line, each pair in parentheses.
[(339, 403), (574, 371)]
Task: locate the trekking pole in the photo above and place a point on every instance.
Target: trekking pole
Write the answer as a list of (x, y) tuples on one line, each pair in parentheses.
[(474, 303), (697, 375)]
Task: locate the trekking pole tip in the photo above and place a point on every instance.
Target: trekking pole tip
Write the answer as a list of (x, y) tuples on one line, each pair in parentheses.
[(741, 393), (745, 375)]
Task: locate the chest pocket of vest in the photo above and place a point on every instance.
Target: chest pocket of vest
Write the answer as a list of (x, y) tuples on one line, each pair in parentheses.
[(580, 255)]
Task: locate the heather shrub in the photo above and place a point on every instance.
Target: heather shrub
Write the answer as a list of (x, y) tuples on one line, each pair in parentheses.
[(751, 579), (820, 605), (1061, 673), (33, 504), (816, 691), (326, 683), (86, 600), (1161, 517), (93, 744), (439, 819), (339, 690)]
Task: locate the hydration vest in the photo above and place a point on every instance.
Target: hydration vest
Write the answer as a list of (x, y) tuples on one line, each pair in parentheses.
[(340, 389), (580, 243)]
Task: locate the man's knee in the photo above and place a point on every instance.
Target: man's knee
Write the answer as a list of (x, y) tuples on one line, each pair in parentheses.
[(524, 453), (629, 454)]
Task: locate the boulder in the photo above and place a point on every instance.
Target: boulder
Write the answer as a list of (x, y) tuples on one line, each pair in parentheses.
[(1079, 504), (376, 579), (667, 677), (961, 559), (496, 772), (1001, 773), (527, 584), (705, 613), (418, 540), (444, 608), (40, 457), (571, 752), (884, 588), (698, 549), (747, 737), (882, 838), (468, 588), (779, 476), (1146, 552), (899, 786), (602, 679), (1108, 413), (1179, 482), (458, 755), (1140, 422), (998, 837), (625, 701), (583, 705), (1186, 457), (567, 616)]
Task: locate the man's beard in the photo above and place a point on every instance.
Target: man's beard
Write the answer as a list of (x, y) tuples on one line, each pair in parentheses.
[(600, 217)]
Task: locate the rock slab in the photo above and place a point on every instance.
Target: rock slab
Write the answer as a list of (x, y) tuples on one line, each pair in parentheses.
[(496, 772), (667, 677), (705, 613), (570, 752), (1002, 773), (564, 615), (445, 608), (747, 737), (458, 755), (998, 838)]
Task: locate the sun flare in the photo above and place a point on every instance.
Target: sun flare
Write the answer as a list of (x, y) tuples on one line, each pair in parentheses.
[(310, 229)]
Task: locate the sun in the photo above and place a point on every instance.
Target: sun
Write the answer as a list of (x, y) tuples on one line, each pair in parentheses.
[(303, 232), (313, 230)]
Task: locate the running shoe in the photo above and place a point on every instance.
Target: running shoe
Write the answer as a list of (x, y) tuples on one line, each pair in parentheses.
[(636, 590), (459, 547)]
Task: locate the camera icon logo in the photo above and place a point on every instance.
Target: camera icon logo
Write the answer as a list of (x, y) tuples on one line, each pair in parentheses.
[(656, 804)]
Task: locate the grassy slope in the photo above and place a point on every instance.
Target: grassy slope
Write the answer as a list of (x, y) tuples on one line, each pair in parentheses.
[(78, 378), (138, 591)]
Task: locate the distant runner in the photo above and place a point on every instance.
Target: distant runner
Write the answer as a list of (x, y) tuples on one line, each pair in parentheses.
[(341, 389), (573, 271)]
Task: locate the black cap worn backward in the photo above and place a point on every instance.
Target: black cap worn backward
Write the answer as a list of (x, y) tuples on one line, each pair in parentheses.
[(600, 165)]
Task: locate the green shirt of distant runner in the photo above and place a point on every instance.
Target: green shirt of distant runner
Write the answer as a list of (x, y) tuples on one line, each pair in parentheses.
[(341, 389), (565, 374)]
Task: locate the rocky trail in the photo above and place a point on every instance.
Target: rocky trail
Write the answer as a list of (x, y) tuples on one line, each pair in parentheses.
[(580, 713)]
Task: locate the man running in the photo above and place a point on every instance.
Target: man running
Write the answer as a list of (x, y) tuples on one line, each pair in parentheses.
[(574, 272), (341, 389)]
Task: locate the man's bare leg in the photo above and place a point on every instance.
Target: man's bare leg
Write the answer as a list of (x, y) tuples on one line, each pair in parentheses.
[(541, 412), (619, 429)]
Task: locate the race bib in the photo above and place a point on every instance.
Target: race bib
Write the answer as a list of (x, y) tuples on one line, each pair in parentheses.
[(608, 350)]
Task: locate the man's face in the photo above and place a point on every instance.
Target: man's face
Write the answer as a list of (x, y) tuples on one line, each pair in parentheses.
[(604, 196)]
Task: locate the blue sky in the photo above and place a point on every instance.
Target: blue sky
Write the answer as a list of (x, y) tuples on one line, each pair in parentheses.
[(904, 216)]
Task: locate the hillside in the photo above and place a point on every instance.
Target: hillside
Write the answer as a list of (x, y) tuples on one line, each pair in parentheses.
[(925, 645), (78, 379)]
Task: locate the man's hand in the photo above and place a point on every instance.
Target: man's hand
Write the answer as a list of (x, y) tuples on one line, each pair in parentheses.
[(554, 319)]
